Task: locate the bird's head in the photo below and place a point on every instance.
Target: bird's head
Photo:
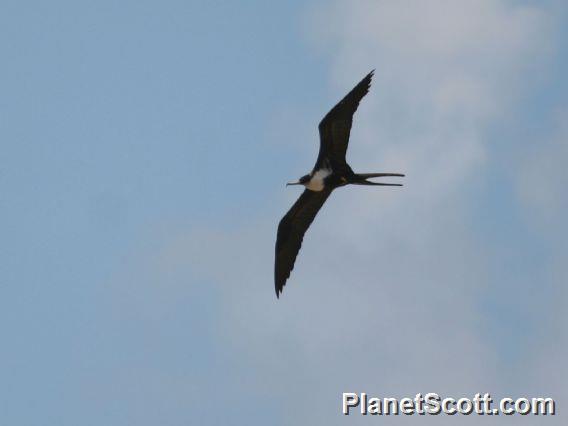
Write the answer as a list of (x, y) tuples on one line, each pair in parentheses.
[(302, 181)]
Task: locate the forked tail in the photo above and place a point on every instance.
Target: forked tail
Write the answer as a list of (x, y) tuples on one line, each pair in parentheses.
[(361, 179)]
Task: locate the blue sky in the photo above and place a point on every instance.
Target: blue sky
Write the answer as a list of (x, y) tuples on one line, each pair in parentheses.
[(145, 149)]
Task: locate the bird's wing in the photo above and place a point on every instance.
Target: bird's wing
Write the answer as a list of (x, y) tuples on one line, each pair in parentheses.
[(335, 127), (291, 232)]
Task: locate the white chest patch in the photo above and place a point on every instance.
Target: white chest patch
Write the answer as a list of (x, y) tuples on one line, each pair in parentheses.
[(316, 183)]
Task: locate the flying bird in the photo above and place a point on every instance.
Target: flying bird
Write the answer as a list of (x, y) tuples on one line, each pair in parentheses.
[(330, 171)]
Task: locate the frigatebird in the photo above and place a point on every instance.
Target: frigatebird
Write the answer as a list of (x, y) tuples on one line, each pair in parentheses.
[(330, 171)]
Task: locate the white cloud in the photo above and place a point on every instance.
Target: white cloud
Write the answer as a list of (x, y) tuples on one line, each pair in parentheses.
[(444, 70), (541, 184), (385, 295)]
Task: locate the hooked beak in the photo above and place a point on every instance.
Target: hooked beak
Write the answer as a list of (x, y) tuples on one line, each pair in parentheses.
[(293, 183)]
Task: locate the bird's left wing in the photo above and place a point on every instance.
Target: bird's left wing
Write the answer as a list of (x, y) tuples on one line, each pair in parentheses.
[(335, 127), (291, 232)]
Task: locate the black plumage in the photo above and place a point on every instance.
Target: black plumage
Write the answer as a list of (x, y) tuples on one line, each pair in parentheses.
[(335, 127), (330, 171)]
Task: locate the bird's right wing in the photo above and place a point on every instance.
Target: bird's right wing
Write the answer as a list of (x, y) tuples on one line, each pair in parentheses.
[(291, 232)]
